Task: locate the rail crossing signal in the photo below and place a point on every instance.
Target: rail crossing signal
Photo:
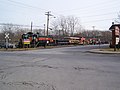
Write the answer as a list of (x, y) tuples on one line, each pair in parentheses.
[(6, 37)]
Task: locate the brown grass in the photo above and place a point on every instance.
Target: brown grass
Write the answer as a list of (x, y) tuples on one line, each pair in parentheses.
[(110, 49)]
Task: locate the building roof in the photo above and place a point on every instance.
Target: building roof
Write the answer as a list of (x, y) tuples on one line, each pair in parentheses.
[(113, 26)]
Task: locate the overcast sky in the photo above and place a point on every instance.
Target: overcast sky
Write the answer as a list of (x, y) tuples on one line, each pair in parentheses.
[(98, 13)]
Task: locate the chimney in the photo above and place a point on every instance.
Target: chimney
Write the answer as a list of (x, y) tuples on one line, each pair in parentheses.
[(112, 23)]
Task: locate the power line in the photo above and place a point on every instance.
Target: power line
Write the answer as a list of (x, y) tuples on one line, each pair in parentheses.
[(99, 20), (40, 8), (98, 15), (17, 25), (26, 5), (93, 5), (30, 5), (95, 10), (16, 10)]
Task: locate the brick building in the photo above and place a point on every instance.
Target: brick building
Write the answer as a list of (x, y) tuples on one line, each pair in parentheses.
[(115, 28)]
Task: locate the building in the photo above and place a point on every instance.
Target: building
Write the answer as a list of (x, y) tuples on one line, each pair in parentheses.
[(115, 28)]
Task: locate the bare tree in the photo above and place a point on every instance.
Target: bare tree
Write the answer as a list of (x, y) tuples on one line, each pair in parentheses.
[(63, 24), (15, 32), (106, 36), (55, 27), (40, 31), (2, 37), (18, 34), (60, 25), (118, 19), (72, 23), (66, 25), (8, 28)]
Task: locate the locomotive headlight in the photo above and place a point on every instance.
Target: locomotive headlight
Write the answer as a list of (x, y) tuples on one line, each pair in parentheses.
[(69, 41)]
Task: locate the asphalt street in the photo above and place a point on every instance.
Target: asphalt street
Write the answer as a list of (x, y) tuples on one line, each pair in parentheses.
[(67, 68)]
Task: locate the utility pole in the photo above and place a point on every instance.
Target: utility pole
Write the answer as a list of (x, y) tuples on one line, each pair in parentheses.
[(48, 15), (93, 31), (44, 29), (31, 26), (93, 35), (93, 28)]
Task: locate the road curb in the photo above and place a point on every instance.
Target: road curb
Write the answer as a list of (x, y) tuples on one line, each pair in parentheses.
[(98, 51)]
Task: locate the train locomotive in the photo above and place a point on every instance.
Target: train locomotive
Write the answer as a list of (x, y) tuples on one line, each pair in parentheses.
[(34, 40)]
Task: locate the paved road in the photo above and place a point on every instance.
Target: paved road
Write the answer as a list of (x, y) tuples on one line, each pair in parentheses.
[(68, 68)]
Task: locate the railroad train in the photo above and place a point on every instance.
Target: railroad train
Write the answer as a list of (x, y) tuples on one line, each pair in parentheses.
[(35, 40)]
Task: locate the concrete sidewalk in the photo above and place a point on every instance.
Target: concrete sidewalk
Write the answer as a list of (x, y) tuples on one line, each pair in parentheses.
[(100, 51)]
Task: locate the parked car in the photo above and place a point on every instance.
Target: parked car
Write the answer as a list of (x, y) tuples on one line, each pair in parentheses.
[(2, 44), (10, 45)]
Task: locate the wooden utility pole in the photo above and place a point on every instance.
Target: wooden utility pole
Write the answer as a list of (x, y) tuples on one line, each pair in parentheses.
[(31, 26), (48, 15), (44, 29)]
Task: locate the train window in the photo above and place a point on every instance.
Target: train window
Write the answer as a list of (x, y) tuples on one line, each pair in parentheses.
[(25, 36)]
